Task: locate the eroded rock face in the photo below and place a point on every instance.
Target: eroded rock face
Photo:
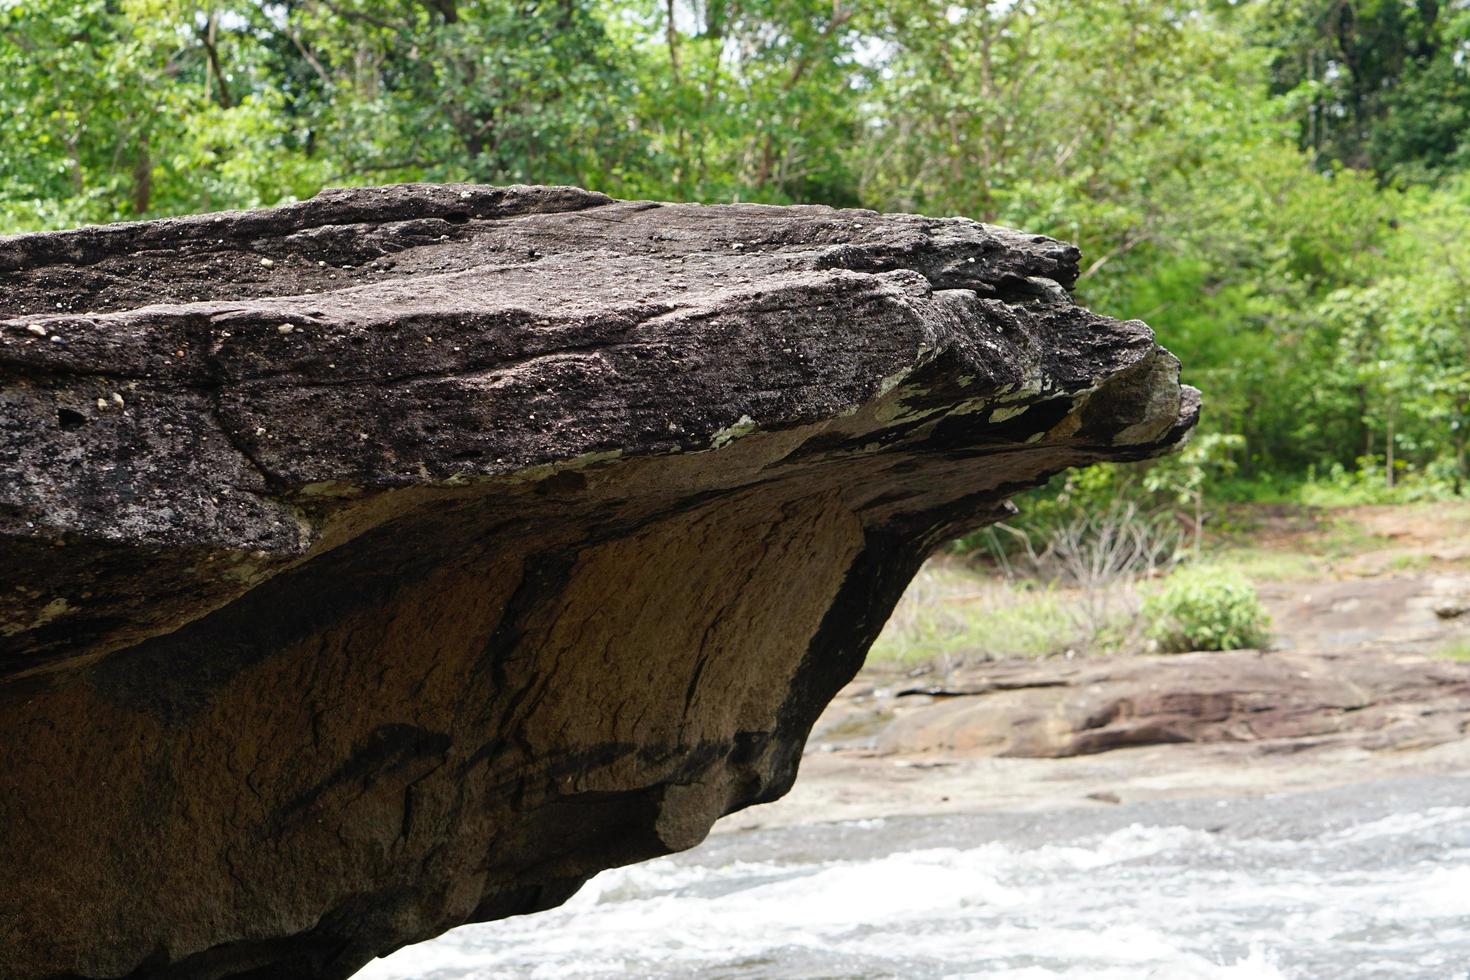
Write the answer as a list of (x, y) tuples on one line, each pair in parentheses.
[(404, 557)]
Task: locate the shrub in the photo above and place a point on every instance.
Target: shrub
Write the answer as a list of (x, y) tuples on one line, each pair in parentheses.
[(1206, 609)]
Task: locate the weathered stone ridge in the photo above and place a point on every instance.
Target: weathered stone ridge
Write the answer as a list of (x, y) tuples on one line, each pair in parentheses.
[(403, 557)]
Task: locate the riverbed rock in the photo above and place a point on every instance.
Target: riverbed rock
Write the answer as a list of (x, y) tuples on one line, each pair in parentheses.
[(403, 557), (1366, 698)]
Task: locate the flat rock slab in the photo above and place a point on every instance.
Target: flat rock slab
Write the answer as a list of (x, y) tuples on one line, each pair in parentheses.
[(404, 557), (1282, 701), (1354, 665)]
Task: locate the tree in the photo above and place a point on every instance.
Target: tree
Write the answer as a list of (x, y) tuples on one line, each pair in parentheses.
[(1378, 85)]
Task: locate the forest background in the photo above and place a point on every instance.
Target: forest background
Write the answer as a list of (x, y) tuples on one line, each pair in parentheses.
[(1281, 188)]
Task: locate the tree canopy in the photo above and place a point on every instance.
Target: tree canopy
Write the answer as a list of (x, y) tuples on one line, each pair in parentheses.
[(1279, 187)]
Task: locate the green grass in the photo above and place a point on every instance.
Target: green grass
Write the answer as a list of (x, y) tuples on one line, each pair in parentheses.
[(953, 612), (1458, 650), (1409, 563), (1032, 627), (1319, 540), (1333, 487), (1346, 537), (960, 611), (1265, 564), (1267, 488)]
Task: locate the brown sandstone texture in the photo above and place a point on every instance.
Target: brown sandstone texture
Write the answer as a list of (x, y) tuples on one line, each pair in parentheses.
[(1281, 701), (403, 557)]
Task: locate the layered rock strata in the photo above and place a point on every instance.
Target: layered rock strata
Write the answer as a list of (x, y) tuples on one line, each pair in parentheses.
[(403, 557)]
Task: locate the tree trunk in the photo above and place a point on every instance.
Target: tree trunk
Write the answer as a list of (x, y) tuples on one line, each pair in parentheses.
[(1460, 473), (211, 51), (142, 179), (1388, 453)]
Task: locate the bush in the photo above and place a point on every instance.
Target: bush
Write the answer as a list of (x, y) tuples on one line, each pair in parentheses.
[(1206, 609)]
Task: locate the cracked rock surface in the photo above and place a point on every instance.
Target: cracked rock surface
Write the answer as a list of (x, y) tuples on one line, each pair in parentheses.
[(403, 557)]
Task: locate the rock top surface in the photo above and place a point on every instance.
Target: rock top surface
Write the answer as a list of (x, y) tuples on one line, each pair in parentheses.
[(405, 556)]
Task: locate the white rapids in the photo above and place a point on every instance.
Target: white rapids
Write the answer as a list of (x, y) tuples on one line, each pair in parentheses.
[(1370, 881)]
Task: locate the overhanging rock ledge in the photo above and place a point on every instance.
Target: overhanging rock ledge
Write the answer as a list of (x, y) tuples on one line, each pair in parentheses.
[(403, 557)]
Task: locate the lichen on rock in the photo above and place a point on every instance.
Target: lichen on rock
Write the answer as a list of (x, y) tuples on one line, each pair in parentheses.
[(536, 544)]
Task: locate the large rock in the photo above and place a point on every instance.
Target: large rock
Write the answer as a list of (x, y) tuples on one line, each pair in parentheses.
[(1284, 701), (404, 557)]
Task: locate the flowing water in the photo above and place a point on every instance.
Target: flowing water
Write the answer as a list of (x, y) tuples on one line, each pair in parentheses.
[(1367, 881)]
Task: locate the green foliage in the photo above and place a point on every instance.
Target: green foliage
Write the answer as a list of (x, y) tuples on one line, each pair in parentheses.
[(1010, 622), (1342, 487), (1152, 501), (1205, 609), (1379, 84), (1281, 188), (1205, 458), (1043, 513), (954, 612)]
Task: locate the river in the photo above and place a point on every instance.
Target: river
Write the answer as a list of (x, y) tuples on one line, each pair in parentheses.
[(1365, 881)]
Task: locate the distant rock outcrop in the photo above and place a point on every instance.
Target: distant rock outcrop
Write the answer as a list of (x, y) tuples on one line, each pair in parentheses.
[(403, 557), (1285, 701)]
